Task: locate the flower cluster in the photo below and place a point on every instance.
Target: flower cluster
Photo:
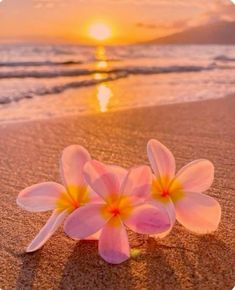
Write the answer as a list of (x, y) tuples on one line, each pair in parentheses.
[(98, 201)]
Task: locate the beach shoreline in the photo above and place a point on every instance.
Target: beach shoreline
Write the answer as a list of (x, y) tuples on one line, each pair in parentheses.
[(7, 113), (29, 153)]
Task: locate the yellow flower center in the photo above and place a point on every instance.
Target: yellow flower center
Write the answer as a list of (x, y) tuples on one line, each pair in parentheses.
[(73, 198), (164, 188), (117, 208)]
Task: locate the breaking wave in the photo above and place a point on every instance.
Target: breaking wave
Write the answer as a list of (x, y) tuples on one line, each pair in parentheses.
[(82, 72)]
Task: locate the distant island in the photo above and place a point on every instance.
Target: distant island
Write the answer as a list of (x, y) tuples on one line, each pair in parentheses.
[(222, 32)]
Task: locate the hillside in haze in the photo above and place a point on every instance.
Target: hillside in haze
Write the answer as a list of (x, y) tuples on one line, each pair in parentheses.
[(216, 33)]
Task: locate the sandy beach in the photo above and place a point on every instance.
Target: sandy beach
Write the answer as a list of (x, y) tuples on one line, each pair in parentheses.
[(29, 153)]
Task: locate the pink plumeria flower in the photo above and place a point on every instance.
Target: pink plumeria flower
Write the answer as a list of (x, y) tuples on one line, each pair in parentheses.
[(61, 199), (122, 204), (181, 193)]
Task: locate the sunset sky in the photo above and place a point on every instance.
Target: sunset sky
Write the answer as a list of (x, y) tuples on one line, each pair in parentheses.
[(128, 20)]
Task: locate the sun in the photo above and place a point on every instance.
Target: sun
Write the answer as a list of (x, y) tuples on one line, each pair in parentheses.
[(99, 31)]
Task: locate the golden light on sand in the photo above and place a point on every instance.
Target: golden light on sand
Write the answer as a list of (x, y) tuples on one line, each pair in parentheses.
[(99, 31), (104, 94)]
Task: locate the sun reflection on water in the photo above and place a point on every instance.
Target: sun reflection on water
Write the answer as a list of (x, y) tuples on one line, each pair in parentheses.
[(104, 93), (100, 53), (100, 76), (101, 64), (101, 58)]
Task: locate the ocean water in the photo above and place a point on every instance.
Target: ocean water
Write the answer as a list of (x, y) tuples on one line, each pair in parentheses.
[(40, 81)]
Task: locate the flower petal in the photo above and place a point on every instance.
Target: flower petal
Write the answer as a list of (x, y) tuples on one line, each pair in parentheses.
[(119, 171), (40, 197), (196, 176), (137, 183), (169, 207), (161, 159), (113, 243), (73, 160), (101, 179), (198, 212), (85, 221), (93, 196), (95, 236), (148, 219), (47, 231)]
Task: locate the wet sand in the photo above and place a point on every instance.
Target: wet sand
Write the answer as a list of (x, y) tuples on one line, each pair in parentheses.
[(29, 153)]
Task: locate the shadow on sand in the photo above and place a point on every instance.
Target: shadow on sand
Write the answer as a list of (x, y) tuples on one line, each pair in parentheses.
[(208, 264), (86, 270), (28, 270)]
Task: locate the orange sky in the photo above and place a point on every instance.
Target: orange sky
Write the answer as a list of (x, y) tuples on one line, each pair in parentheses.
[(130, 20)]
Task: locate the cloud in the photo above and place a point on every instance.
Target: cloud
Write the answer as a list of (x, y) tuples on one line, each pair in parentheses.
[(164, 28), (218, 10), (222, 11), (169, 3), (179, 24), (48, 3), (146, 25)]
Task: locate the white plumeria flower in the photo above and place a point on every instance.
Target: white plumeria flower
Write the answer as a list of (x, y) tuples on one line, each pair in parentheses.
[(181, 193), (63, 200)]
